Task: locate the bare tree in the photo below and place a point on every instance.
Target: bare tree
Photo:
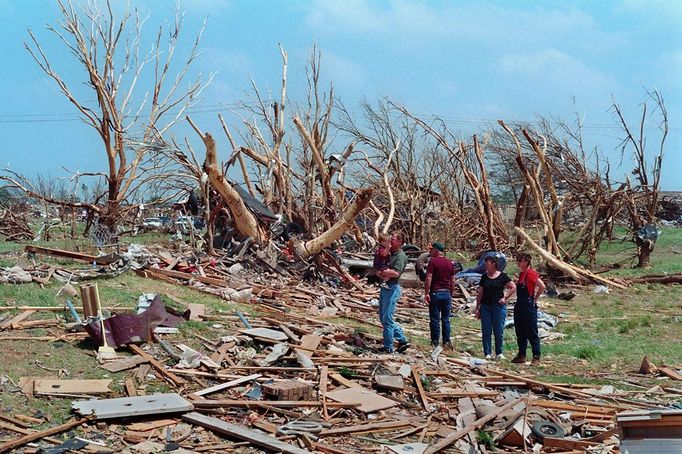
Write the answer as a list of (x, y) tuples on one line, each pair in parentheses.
[(111, 54)]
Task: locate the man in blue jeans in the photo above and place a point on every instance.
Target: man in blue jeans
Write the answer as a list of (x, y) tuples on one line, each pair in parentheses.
[(438, 287), (389, 295)]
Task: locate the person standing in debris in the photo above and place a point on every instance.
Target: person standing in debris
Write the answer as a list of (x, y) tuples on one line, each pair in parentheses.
[(491, 305), (528, 289), (439, 287), (389, 295)]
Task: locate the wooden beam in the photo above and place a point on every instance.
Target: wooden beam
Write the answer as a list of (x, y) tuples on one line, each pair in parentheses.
[(226, 385), (10, 445), (103, 260), (254, 437), (420, 388), (169, 376), (268, 403)]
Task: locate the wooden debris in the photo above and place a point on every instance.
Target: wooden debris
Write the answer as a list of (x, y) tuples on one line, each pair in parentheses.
[(257, 438), (10, 445), (367, 400), (169, 376), (57, 387), (229, 384), (124, 363)]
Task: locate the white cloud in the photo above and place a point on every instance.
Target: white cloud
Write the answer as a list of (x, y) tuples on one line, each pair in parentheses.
[(557, 69), (474, 22), (343, 71)]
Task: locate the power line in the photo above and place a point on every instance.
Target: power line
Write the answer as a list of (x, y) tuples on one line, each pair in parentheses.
[(217, 108)]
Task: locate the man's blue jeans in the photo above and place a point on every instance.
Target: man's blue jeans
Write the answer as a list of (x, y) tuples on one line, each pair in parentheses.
[(388, 300), (492, 320), (439, 311)]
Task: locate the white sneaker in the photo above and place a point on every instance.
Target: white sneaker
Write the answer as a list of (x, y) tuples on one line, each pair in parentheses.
[(500, 356), (488, 356)]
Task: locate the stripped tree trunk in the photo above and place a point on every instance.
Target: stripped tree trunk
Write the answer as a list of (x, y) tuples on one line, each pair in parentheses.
[(308, 248)]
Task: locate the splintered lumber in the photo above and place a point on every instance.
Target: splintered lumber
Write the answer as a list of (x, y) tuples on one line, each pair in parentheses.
[(420, 388), (340, 379), (322, 390), (103, 260), (130, 387), (226, 385), (254, 437), (369, 427), (124, 363), (169, 376), (10, 445), (450, 439), (195, 277), (47, 386), (670, 373), (14, 321), (270, 403), (123, 407)]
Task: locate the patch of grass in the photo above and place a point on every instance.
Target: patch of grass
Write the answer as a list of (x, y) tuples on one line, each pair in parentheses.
[(485, 438)]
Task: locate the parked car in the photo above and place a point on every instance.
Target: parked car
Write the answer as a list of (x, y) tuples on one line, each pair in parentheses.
[(185, 223), (152, 223)]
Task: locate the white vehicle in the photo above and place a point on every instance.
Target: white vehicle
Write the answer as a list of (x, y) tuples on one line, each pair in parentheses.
[(152, 223)]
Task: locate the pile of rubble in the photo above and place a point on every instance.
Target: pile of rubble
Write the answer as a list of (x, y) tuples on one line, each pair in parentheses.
[(14, 227), (292, 378)]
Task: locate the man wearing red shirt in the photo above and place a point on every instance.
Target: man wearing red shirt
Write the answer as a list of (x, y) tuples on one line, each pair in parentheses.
[(529, 287), (438, 287)]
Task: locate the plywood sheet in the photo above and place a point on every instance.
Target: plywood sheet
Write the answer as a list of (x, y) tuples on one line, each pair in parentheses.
[(369, 401)]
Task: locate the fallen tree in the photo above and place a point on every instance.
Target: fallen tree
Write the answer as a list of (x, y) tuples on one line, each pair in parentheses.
[(574, 272), (305, 249)]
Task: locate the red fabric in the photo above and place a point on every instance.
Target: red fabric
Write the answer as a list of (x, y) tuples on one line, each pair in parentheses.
[(530, 278), (441, 270)]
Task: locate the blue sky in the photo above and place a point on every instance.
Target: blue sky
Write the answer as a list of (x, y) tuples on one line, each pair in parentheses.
[(470, 62)]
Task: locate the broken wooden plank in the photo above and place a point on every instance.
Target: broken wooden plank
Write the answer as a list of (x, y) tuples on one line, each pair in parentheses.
[(47, 386), (146, 426), (420, 389), (101, 260), (670, 373), (9, 323), (169, 376), (123, 363), (368, 427), (226, 385), (254, 437), (269, 403), (131, 390), (344, 381), (10, 445)]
